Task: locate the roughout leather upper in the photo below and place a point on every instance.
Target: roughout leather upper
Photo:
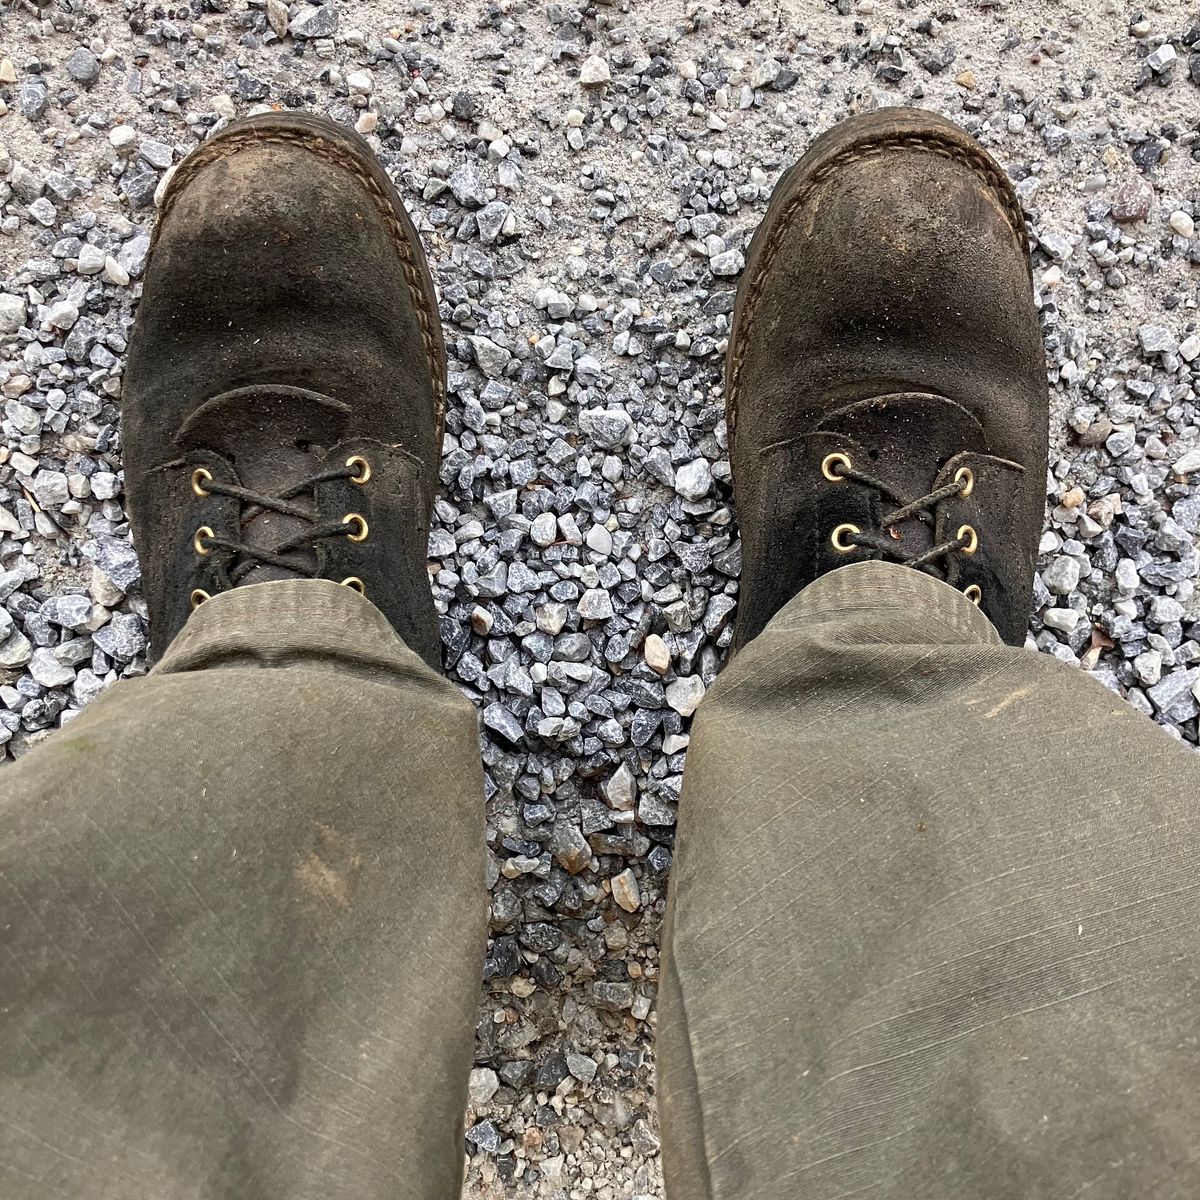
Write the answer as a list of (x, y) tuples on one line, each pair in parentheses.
[(892, 262), (283, 268)]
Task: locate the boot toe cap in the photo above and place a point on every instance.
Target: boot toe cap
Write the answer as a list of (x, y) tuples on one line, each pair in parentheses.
[(893, 259)]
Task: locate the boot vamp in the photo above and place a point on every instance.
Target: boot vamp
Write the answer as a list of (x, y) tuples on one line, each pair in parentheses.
[(898, 273), (280, 263)]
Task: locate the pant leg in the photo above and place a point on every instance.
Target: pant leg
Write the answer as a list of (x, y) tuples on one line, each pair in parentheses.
[(933, 925), (242, 917)]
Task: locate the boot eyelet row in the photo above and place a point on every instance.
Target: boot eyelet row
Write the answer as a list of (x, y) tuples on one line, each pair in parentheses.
[(359, 531), (964, 476)]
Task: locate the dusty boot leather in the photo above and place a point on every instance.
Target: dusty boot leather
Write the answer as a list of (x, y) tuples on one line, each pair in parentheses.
[(282, 411), (885, 384)]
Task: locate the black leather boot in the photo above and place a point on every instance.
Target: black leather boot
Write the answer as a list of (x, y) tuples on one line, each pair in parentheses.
[(885, 383), (282, 411)]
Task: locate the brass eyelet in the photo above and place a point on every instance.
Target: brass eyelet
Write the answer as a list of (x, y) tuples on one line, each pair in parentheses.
[(198, 539), (836, 459), (361, 466), (965, 531), (966, 478), (360, 523), (843, 547), (974, 593), (355, 584), (197, 475), (199, 595)]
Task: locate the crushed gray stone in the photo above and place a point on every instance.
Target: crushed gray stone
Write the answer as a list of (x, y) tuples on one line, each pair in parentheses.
[(586, 179)]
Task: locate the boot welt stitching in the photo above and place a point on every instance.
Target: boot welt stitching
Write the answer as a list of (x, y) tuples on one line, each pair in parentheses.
[(979, 162), (221, 146)]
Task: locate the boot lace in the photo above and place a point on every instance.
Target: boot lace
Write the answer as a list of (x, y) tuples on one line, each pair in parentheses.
[(246, 557), (888, 541)]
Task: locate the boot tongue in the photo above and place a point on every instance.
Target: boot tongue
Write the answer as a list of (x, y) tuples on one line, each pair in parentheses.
[(275, 437), (908, 437)]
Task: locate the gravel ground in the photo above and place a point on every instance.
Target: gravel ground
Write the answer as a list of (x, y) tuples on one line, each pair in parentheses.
[(586, 180)]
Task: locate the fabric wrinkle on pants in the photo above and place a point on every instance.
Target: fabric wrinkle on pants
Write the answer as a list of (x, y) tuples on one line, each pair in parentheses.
[(930, 932), (932, 920), (244, 919)]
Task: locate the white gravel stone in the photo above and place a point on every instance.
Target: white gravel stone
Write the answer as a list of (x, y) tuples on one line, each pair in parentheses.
[(1182, 223), (729, 262), (61, 315), (114, 272), (544, 529), (621, 789), (596, 605), (48, 670), (1062, 575), (1162, 58), (1063, 619), (13, 312), (694, 480), (599, 539), (50, 489), (684, 695), (15, 650), (1187, 462), (594, 71), (483, 1085), (91, 260)]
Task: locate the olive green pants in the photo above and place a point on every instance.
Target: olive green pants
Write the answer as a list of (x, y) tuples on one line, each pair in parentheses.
[(932, 934)]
